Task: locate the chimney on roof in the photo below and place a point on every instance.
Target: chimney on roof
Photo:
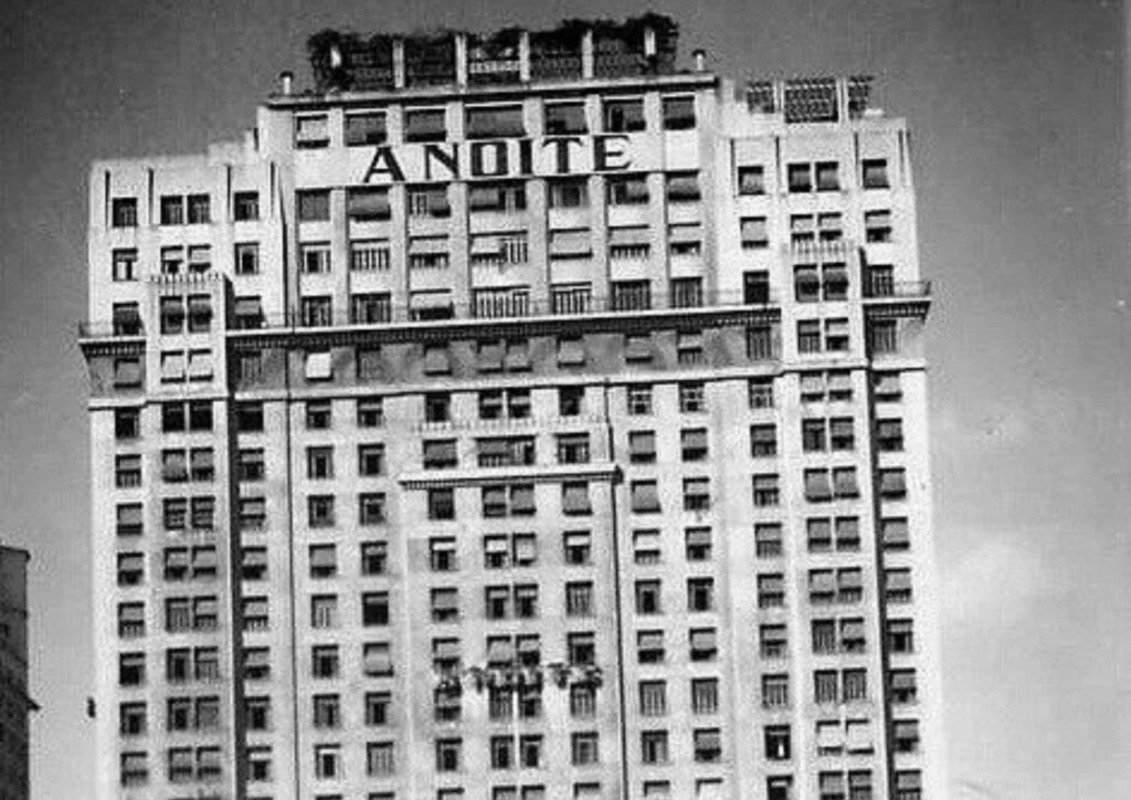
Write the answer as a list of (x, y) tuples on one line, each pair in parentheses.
[(286, 83), (700, 56)]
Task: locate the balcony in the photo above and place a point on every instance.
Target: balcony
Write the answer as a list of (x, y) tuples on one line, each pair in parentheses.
[(882, 288), (116, 329), (578, 303)]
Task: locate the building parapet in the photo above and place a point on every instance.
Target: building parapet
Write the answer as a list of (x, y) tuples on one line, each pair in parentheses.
[(817, 99), (575, 49)]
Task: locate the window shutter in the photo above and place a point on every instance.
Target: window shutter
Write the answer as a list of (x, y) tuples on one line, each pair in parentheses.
[(319, 366)]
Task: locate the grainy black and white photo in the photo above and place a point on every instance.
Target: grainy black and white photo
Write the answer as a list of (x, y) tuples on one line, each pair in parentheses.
[(564, 401)]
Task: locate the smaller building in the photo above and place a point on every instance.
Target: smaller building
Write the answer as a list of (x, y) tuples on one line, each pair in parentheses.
[(15, 703)]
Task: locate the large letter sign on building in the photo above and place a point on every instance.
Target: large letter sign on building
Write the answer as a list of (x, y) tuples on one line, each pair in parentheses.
[(505, 158)]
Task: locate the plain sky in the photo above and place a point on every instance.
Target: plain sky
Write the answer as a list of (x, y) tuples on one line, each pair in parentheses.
[(1018, 111)]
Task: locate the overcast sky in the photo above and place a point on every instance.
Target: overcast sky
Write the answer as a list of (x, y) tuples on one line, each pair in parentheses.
[(1018, 116)]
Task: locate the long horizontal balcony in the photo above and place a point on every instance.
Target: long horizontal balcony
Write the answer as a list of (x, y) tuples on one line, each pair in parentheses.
[(513, 307)]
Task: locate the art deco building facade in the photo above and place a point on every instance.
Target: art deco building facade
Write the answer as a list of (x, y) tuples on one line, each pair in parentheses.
[(515, 418), (15, 702)]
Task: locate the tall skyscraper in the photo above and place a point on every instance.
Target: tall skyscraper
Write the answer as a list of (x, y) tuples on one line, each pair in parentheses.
[(516, 417), (15, 701)]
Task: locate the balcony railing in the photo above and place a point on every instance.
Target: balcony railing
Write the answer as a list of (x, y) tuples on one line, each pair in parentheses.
[(577, 306), (574, 303), (876, 288), (111, 330)]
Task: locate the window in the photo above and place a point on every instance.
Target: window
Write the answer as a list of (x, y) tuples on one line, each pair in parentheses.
[(886, 387), (653, 698), (377, 708), (894, 533), (575, 497), (639, 399), (577, 547), (889, 435), (442, 554), (751, 180), (313, 205), (623, 116), (425, 125), (883, 336), (700, 594), (902, 683), (776, 739), (581, 648), (692, 397), (123, 212), (763, 441), (131, 669), (697, 544), (653, 744), (371, 508), (645, 497), (678, 113), (429, 201), (707, 745), (379, 758), (312, 131), (828, 176), (127, 372), (682, 187), (766, 492), (584, 749), (809, 336), (704, 696), (441, 504), (693, 444), (773, 641), (754, 233), (448, 754), (127, 423), (127, 471), (124, 265), (370, 412), (855, 685), (564, 118), (771, 591), (327, 761), (444, 603), (374, 556), (320, 511), (327, 711), (768, 539), (252, 513), (582, 701), (437, 407), (650, 647), (696, 494), (324, 611), (877, 227), (908, 785), (648, 597), (893, 484), (319, 463), (775, 691), (906, 735), (579, 599), (364, 128), (628, 190), (646, 546), (836, 335), (703, 644), (897, 585)]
